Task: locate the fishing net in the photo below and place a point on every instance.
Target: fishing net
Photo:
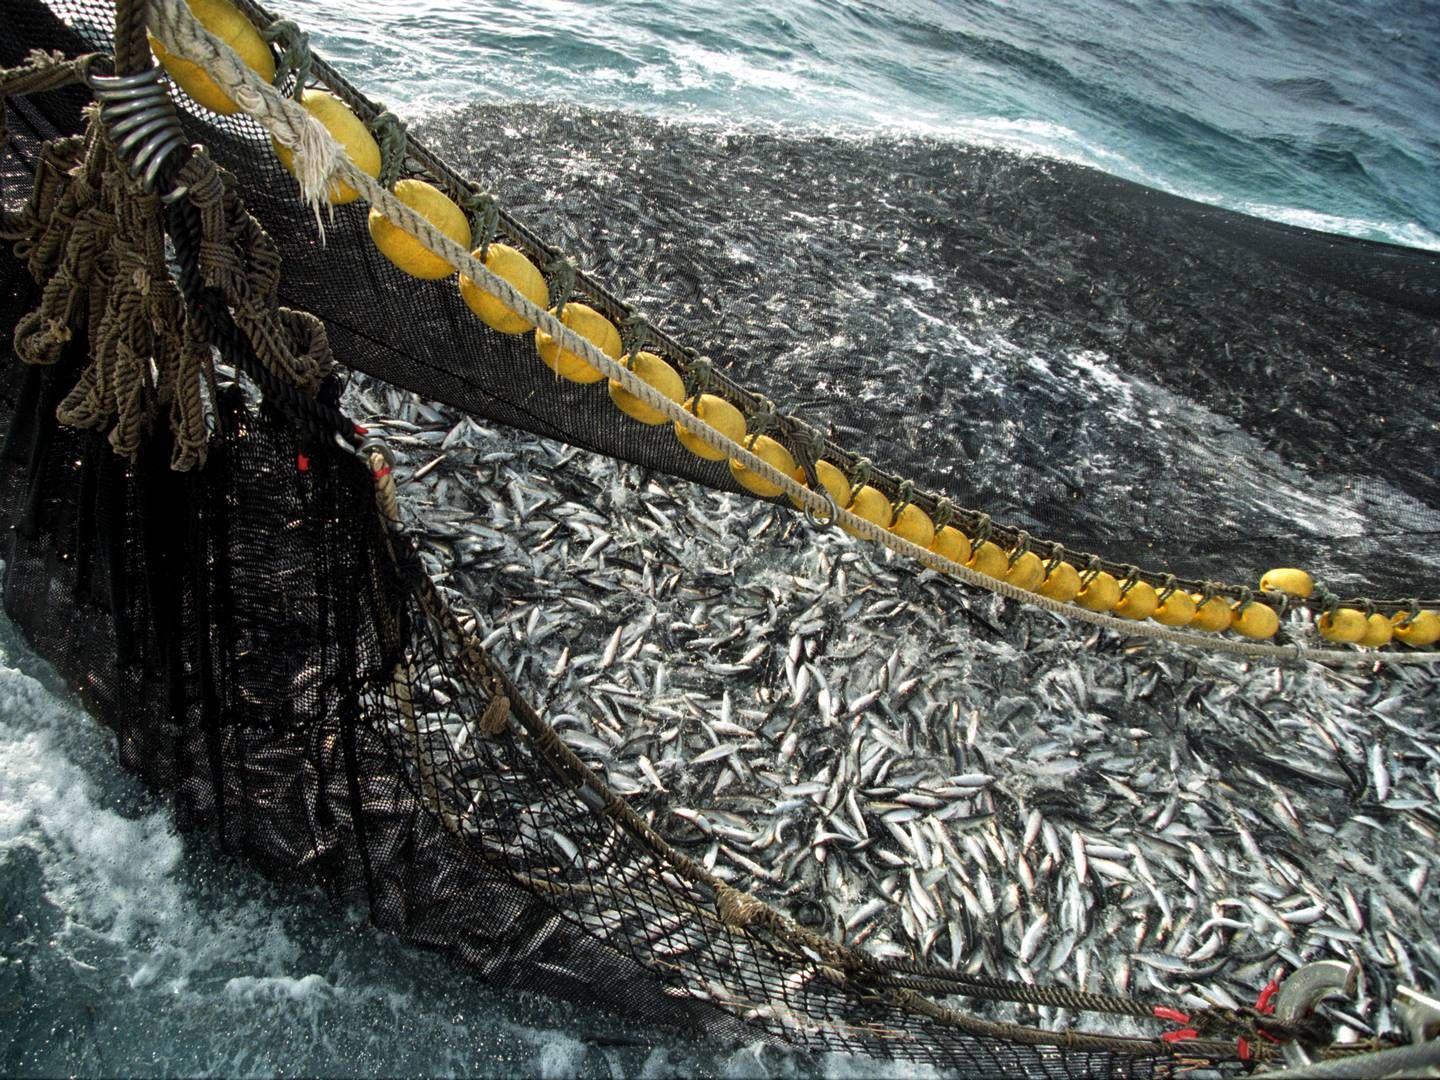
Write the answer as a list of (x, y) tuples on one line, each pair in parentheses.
[(269, 650)]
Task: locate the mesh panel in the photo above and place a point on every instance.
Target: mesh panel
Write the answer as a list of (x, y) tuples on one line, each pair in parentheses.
[(348, 758), (245, 632)]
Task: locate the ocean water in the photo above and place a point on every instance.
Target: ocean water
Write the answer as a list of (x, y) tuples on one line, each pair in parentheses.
[(131, 950)]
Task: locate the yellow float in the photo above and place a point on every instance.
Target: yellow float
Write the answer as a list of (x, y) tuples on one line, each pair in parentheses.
[(504, 261), (1177, 609), (345, 128), (871, 504), (402, 249), (1212, 615), (1100, 593), (594, 328), (833, 481), (658, 373), (1026, 571), (950, 543), (226, 22), (767, 450), (914, 524), (1139, 602), (1288, 580), (989, 559), (1345, 625), (1062, 583), (715, 411), (1423, 630), (1252, 619), (1378, 631)]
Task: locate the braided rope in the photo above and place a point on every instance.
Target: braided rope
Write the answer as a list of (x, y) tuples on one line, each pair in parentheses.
[(172, 23)]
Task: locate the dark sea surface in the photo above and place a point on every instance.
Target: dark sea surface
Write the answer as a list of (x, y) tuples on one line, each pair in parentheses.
[(1072, 355)]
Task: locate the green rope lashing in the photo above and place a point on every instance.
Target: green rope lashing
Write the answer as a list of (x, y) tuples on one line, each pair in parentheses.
[(561, 283), (484, 211), (904, 496), (1057, 556), (944, 513), (697, 377), (763, 419), (634, 336), (1167, 587), (1413, 606), (295, 59), (860, 472), (1022, 545), (1132, 577), (809, 445), (389, 132)]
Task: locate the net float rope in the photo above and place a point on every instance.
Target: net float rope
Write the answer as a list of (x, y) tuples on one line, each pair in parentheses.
[(320, 161), (749, 401), (792, 427)]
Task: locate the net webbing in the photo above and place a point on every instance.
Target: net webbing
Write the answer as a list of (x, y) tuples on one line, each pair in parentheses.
[(351, 757), (399, 753)]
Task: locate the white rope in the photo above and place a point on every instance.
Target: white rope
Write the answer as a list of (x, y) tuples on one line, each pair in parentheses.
[(320, 160)]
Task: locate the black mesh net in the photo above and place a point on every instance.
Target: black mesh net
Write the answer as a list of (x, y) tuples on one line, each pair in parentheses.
[(351, 757)]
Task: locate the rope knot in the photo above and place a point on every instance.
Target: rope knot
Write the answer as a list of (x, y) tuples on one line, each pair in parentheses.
[(389, 132), (295, 59), (484, 211), (736, 909), (562, 283)]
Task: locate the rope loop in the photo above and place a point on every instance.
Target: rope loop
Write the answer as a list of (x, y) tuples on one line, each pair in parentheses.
[(389, 132), (904, 496), (697, 378), (1208, 589), (860, 472), (1091, 571), (484, 211), (1167, 587), (1022, 545), (562, 283), (634, 336), (295, 58), (1131, 578), (944, 513), (763, 419), (1057, 556), (1413, 607)]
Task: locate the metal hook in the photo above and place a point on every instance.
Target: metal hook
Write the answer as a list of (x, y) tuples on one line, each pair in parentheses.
[(1307, 987)]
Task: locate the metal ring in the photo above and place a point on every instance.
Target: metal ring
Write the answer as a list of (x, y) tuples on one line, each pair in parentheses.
[(144, 129), (110, 86), (112, 110), (147, 112), (814, 520), (375, 446), (152, 171), (150, 156), (155, 150)]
